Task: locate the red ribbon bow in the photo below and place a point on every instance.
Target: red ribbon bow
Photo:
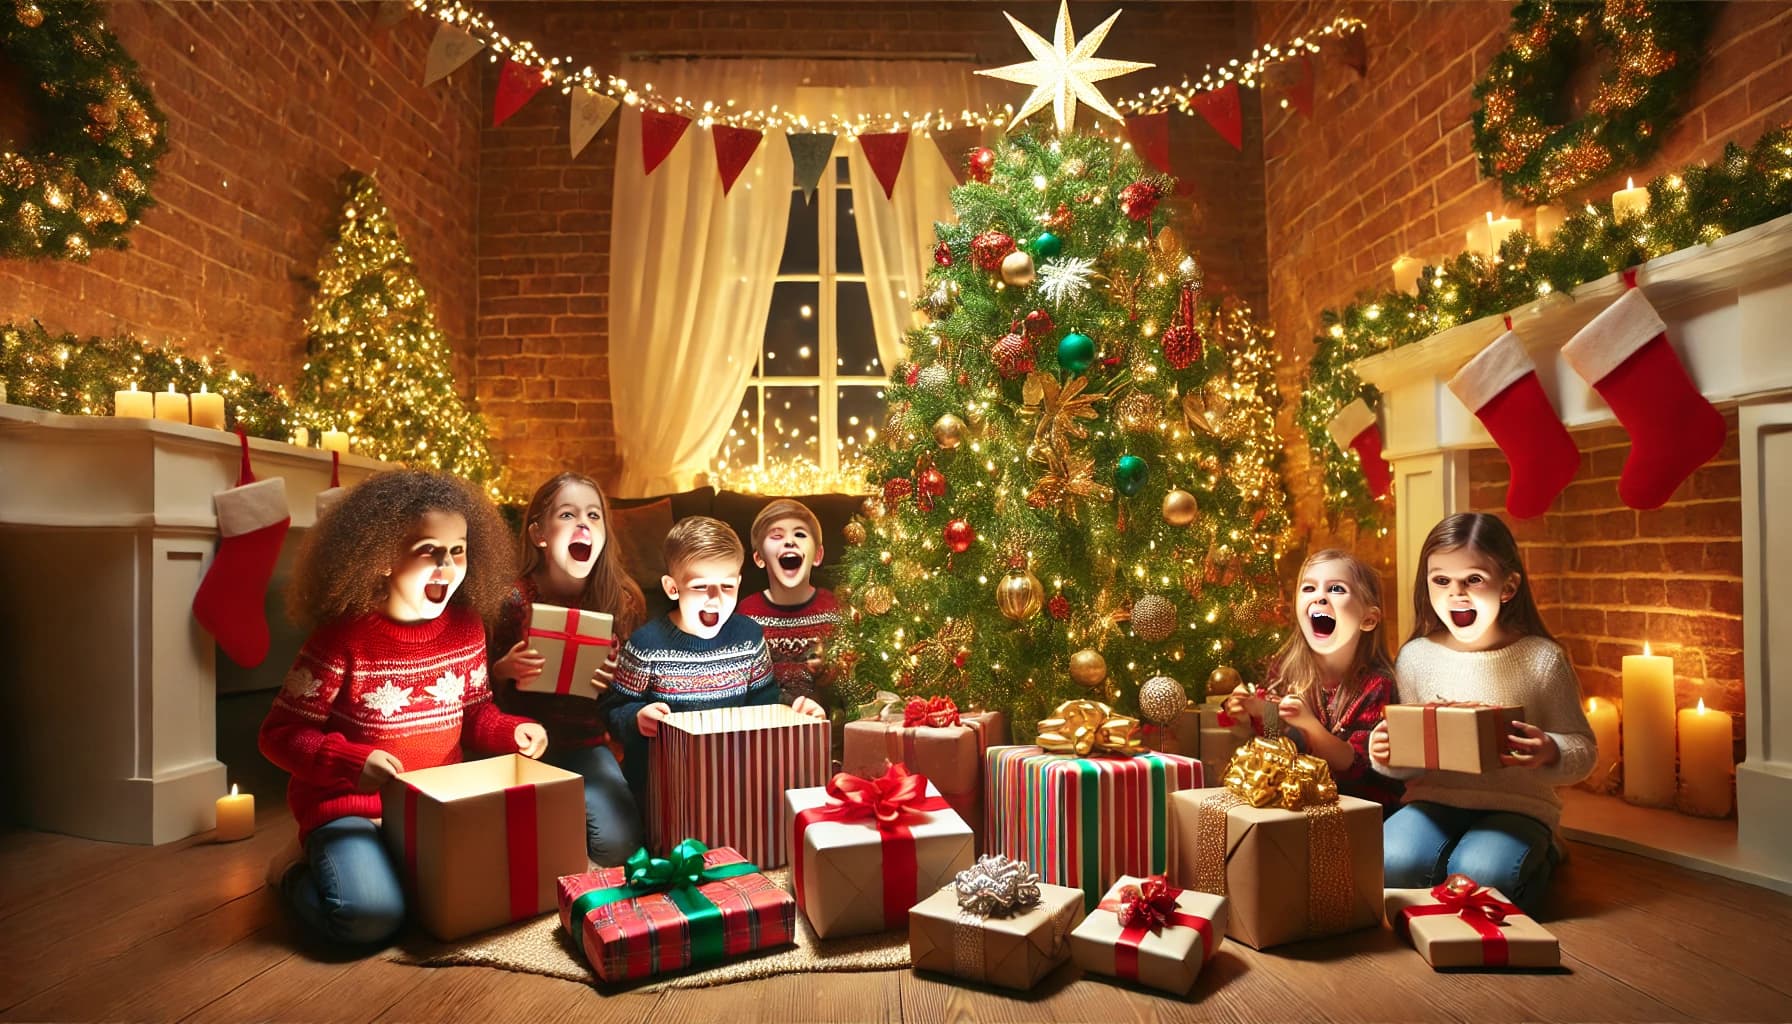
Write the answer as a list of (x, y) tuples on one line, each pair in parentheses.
[(938, 712), (893, 802), (1470, 900), (1147, 908)]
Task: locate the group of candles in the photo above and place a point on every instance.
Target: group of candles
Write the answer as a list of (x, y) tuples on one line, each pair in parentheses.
[(1484, 239), (203, 409), (1651, 726), (328, 440)]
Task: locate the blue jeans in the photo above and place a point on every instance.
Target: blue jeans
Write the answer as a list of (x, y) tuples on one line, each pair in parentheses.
[(1424, 843), (348, 890), (612, 824)]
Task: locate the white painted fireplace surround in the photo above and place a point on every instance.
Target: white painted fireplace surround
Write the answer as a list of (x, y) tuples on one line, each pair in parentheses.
[(1728, 307)]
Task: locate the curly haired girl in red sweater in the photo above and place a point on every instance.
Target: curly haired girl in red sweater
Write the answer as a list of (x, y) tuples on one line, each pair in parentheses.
[(396, 581)]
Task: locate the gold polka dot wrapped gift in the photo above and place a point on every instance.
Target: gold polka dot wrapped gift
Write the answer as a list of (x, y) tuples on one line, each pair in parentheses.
[(1295, 859)]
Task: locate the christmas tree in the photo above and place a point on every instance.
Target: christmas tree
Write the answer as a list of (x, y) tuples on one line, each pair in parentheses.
[(377, 365), (1077, 485)]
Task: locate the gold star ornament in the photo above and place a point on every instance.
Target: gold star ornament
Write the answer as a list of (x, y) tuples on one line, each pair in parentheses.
[(1063, 70)]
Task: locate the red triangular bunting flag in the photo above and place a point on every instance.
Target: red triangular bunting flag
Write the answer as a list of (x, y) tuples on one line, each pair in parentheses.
[(883, 151), (1353, 52), (734, 148), (1300, 91), (955, 146), (660, 132), (516, 84), (1150, 135), (1220, 108)]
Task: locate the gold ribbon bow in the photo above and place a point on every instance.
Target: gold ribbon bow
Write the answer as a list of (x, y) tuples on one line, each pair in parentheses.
[(1267, 771), (1085, 727)]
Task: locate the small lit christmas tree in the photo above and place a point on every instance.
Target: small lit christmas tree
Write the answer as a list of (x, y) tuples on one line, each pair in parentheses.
[(377, 365), (1078, 486)]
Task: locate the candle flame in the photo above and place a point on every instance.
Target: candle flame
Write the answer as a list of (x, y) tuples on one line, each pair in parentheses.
[(1645, 648), (233, 789), (171, 387), (1629, 183), (1490, 217), (1701, 705), (1592, 703), (201, 388)]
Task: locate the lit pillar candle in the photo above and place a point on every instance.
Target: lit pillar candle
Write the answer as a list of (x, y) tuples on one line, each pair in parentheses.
[(1705, 761), (132, 404), (1498, 231), (1629, 201), (334, 441), (1549, 221), (236, 816), (1648, 729), (1406, 275), (1604, 719), (208, 409), (1478, 235), (301, 436), (171, 405)]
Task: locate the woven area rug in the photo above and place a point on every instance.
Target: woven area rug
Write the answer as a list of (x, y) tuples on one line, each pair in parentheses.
[(540, 946)]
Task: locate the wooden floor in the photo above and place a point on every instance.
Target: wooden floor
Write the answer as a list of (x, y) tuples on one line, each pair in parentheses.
[(188, 931)]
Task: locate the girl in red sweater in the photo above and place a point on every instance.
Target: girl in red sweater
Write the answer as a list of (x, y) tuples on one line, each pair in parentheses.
[(396, 581)]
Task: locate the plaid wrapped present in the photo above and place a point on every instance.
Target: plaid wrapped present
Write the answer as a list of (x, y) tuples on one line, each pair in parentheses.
[(655, 915)]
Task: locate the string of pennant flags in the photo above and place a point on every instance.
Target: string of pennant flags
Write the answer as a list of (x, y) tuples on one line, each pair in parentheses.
[(463, 32)]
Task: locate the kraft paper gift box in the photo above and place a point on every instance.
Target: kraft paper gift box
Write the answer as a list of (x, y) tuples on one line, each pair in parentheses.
[(950, 756), (573, 642), (1014, 951), (1166, 952), (1265, 861), (719, 776), (1448, 737), (481, 843), (1182, 735), (1083, 821), (1217, 747), (626, 931), (854, 874), (1463, 924)]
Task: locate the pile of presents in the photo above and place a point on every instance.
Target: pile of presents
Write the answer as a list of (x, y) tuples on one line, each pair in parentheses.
[(1093, 847)]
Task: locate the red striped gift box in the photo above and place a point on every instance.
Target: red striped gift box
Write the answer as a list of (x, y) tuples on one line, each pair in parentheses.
[(719, 776)]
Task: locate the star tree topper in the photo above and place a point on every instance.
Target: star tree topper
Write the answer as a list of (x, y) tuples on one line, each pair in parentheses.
[(1063, 70)]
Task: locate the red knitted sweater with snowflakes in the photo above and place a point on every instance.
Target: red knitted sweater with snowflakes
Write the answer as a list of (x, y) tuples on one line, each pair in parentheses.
[(416, 690)]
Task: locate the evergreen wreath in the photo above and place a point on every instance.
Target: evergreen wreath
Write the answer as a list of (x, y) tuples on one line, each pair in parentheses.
[(1654, 49), (84, 181)]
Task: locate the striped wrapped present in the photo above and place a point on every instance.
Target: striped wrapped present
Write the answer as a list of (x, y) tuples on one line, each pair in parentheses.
[(719, 776), (655, 915), (1084, 821)]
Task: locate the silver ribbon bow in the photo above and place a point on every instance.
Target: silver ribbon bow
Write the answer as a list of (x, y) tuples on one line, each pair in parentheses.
[(995, 885)]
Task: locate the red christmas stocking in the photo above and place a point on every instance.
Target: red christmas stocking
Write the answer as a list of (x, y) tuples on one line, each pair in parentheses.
[(1500, 387), (1624, 353), (252, 519), (1354, 427)]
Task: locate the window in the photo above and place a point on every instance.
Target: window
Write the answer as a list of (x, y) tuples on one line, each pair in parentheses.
[(816, 397)]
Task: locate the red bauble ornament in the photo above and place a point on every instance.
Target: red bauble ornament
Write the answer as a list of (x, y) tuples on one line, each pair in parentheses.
[(942, 255), (989, 249), (1058, 608), (894, 491), (1060, 218), (912, 374), (960, 536), (1013, 354), (1139, 199), (980, 163), (930, 483), (1039, 324), (1182, 342)]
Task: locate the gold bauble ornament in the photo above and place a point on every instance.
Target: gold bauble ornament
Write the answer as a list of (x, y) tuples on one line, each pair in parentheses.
[(1020, 595), (855, 533), (1180, 508), (1088, 667), (948, 430), (1153, 618), (1017, 269), (1161, 699), (1223, 680), (878, 599)]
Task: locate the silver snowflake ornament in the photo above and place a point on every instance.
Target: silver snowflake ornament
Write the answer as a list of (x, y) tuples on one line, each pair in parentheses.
[(1066, 279)]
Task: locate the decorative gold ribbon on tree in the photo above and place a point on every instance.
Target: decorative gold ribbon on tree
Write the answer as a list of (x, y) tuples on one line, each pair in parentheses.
[(1085, 727)]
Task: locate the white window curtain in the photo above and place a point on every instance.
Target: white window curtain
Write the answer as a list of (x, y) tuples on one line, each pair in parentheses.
[(691, 270)]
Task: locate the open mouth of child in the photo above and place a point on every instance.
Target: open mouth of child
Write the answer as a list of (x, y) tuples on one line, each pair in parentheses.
[(1462, 617), (790, 561), (710, 620), (435, 592), (1323, 625), (580, 550)]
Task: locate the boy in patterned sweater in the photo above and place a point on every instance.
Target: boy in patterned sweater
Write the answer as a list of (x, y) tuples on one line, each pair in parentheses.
[(798, 617), (698, 655)]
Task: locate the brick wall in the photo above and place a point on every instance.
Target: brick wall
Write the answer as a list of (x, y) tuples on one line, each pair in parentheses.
[(267, 105), (544, 351)]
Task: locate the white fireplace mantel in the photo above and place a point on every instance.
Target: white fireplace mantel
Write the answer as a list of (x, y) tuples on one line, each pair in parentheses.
[(108, 701), (1728, 308)]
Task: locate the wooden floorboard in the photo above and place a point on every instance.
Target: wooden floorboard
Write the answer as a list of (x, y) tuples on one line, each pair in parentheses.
[(189, 932)]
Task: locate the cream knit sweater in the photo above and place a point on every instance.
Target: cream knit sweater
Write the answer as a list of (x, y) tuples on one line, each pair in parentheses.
[(1532, 672)]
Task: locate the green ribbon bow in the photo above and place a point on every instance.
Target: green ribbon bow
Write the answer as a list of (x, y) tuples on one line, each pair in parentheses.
[(678, 876)]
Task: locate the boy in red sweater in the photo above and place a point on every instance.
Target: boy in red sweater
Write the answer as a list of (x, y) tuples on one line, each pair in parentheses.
[(798, 617), (396, 581)]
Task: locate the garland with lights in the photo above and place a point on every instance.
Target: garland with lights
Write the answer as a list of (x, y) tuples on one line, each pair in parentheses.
[(1696, 206), (1655, 50), (85, 183), (77, 376), (565, 74)]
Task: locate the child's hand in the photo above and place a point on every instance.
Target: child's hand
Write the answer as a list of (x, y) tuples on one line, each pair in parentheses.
[(1234, 704), (603, 675), (1379, 747), (521, 663), (531, 740), (648, 719), (1530, 747), (1296, 715), (808, 707), (379, 769)]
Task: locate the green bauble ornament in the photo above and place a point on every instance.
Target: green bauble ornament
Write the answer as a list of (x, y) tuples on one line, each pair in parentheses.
[(1047, 245), (1076, 352), (1129, 475)]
